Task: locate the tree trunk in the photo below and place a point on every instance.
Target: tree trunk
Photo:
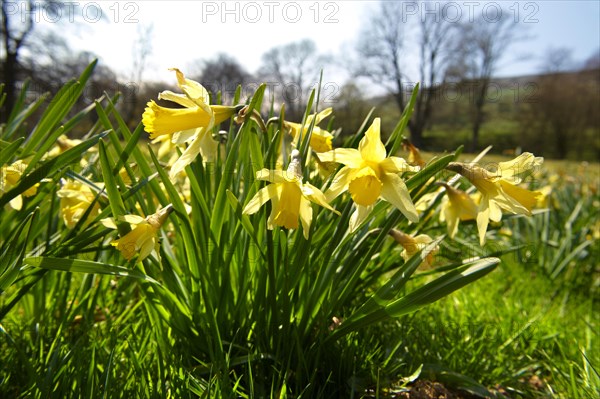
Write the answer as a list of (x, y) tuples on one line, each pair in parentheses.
[(10, 85), (478, 120)]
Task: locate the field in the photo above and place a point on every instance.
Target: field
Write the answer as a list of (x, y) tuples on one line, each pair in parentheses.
[(254, 264)]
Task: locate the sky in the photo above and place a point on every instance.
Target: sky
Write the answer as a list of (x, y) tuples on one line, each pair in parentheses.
[(183, 33)]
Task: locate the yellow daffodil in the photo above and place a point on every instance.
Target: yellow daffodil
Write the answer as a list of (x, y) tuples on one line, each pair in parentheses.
[(143, 237), (499, 190), (414, 155), (63, 143), (320, 139), (545, 199), (369, 175), (9, 178), (456, 206), (75, 199), (290, 197), (412, 245), (191, 124)]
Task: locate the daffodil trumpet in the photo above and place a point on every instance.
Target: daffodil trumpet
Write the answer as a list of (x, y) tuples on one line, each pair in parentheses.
[(191, 124)]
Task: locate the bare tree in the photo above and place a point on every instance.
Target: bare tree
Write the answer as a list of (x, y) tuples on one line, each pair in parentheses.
[(484, 42), (223, 74), (564, 112), (385, 47), (15, 30), (141, 50), (557, 59), (292, 69), (27, 52), (436, 40)]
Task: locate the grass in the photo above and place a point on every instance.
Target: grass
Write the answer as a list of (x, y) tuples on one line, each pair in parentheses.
[(231, 309)]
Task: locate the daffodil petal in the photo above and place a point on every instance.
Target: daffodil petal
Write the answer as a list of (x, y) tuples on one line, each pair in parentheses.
[(526, 198), (495, 212), (483, 219), (371, 148), (346, 156), (397, 165), (339, 184), (452, 219), (177, 98), (132, 219), (317, 197), (109, 223), (359, 215), (272, 175), (16, 203), (322, 115), (260, 198), (194, 90), (203, 144), (306, 215), (395, 192), (184, 136), (146, 248)]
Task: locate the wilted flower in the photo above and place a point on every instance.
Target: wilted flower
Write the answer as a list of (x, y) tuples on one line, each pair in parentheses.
[(370, 175), (500, 190), (143, 237), (9, 178), (75, 199), (412, 245), (320, 139), (414, 155), (192, 124), (289, 196)]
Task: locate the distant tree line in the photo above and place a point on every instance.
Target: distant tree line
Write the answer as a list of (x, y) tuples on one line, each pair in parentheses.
[(454, 62)]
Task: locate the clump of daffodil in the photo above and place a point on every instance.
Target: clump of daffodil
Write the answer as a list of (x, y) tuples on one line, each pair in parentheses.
[(9, 178), (412, 245), (75, 199), (143, 237), (369, 174), (320, 139), (290, 197), (499, 190), (191, 124), (456, 206)]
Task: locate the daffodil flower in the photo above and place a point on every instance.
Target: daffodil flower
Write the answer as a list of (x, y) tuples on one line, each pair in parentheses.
[(75, 199), (191, 124), (369, 175), (456, 206), (414, 155), (9, 178), (412, 245), (499, 190), (143, 237), (290, 197), (320, 139)]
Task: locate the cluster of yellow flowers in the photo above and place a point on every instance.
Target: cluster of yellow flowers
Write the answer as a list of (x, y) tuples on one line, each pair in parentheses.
[(368, 174)]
